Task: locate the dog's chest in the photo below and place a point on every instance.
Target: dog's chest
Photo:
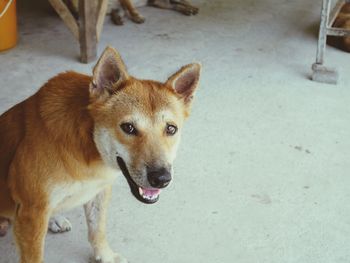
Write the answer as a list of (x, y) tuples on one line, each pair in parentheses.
[(68, 195)]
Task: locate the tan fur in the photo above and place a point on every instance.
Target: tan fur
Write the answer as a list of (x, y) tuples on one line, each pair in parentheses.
[(49, 143)]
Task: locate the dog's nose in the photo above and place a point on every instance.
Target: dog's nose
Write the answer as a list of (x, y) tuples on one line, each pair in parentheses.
[(159, 178)]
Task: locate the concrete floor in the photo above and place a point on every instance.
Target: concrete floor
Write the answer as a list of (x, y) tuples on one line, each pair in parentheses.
[(262, 174)]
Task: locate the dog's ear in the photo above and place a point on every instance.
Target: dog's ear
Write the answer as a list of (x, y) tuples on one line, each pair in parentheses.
[(108, 72), (185, 81)]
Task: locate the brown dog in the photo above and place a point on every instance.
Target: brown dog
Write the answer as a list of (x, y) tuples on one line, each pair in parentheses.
[(120, 8), (65, 145), (182, 6)]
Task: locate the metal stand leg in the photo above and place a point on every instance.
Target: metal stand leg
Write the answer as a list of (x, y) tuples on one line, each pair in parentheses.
[(320, 72)]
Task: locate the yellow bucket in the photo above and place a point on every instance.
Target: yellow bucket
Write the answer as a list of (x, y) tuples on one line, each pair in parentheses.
[(8, 24)]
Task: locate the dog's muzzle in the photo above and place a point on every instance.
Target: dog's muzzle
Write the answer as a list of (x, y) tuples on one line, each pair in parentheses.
[(158, 178)]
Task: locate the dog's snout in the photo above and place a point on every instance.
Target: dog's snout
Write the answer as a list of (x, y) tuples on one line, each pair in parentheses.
[(159, 178)]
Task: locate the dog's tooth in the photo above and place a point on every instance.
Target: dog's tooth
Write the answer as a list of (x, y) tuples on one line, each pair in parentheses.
[(140, 191)]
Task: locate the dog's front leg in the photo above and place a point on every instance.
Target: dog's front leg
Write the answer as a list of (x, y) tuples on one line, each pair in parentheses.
[(134, 14), (96, 213), (30, 227)]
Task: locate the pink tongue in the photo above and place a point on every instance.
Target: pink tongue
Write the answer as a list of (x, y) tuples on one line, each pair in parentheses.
[(150, 192)]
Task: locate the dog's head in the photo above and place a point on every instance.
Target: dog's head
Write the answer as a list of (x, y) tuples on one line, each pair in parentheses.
[(138, 122)]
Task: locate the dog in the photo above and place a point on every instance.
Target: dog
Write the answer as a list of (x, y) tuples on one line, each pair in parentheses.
[(128, 8), (120, 8), (342, 21), (64, 146)]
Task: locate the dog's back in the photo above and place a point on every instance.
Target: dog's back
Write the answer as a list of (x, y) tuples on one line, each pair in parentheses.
[(53, 114)]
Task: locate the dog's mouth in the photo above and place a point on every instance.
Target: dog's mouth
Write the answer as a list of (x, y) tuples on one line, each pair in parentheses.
[(145, 195)]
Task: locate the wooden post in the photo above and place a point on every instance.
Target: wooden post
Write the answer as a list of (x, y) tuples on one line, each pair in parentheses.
[(87, 30), (67, 17), (334, 12), (101, 17), (89, 26)]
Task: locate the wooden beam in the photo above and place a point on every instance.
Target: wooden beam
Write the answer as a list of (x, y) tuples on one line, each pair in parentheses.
[(88, 30), (335, 11), (339, 32), (101, 17), (67, 17)]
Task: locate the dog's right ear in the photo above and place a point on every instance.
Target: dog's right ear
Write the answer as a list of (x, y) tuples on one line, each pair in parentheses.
[(108, 72)]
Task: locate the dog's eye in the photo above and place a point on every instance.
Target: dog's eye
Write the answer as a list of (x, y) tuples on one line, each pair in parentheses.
[(128, 128), (170, 129)]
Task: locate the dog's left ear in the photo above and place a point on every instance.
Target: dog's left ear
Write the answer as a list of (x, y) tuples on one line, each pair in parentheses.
[(109, 71), (185, 81)]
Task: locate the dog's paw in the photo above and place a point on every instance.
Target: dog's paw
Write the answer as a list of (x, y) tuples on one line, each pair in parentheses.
[(189, 10), (119, 259), (116, 17), (59, 224), (108, 256), (115, 259), (137, 19), (4, 226), (195, 10)]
